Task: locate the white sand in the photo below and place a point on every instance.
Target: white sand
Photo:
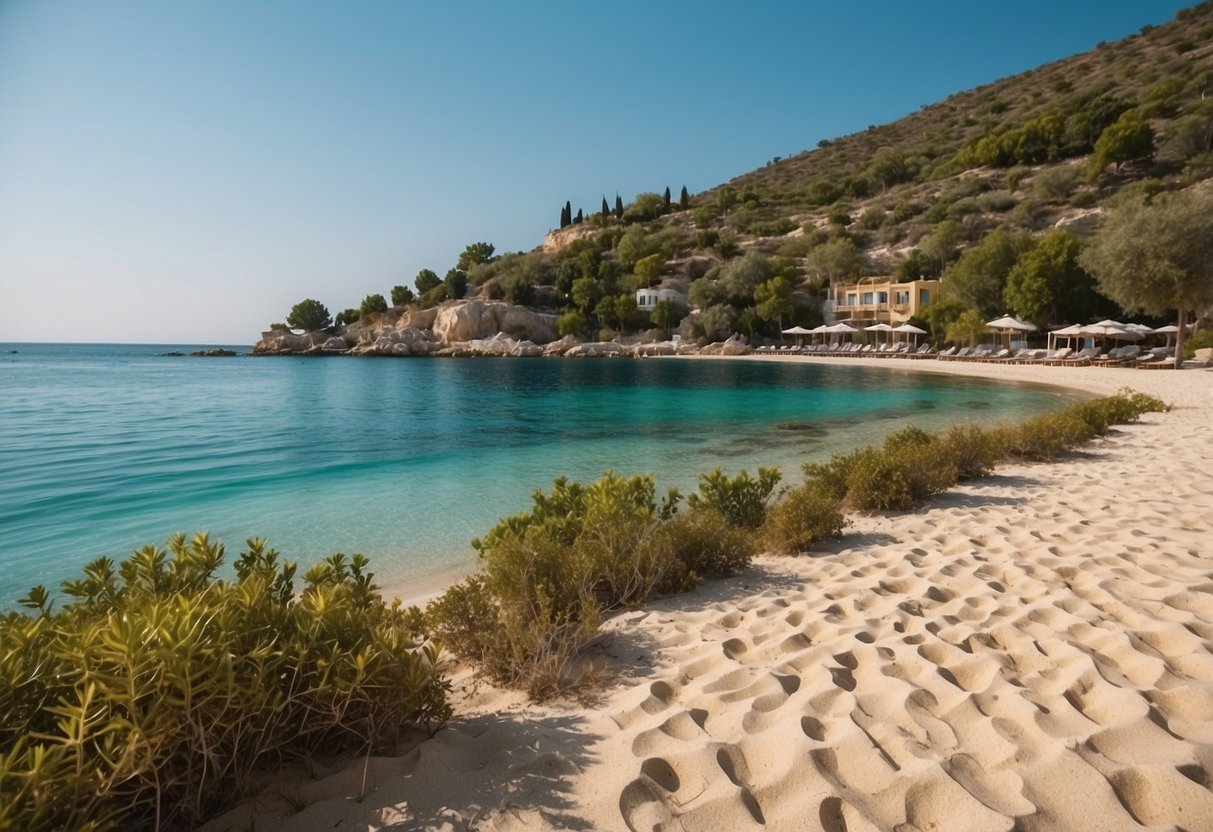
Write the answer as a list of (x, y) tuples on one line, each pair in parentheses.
[(1030, 651)]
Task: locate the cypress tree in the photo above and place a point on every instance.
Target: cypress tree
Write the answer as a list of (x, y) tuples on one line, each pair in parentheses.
[(618, 207), (577, 220), (665, 199), (684, 199), (566, 215), (606, 209)]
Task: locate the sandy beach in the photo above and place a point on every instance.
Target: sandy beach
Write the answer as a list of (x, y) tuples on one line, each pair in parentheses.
[(1030, 651)]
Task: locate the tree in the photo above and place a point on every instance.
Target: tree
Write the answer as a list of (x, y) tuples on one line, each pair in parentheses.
[(726, 198), (626, 311), (649, 268), (580, 218), (372, 304), (1127, 139), (605, 310), (1047, 285), (1157, 256), (586, 293), (566, 215), (347, 316), (684, 199), (970, 327), (665, 200), (474, 255), (774, 300), (742, 276), (665, 314), (618, 207), (309, 315), (606, 209), (402, 295), (456, 283), (646, 206), (941, 244), (979, 277), (835, 260), (427, 279)]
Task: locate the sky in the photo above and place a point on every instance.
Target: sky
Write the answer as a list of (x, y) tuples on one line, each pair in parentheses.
[(184, 172)]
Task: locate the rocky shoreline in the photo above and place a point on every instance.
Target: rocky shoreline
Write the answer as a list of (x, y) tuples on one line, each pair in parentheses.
[(474, 328)]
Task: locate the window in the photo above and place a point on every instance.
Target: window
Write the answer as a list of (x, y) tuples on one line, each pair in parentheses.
[(851, 296), (882, 297), (866, 298), (924, 297), (902, 298)]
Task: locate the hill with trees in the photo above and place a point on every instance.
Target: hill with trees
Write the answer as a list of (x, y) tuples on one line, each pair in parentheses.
[(998, 191)]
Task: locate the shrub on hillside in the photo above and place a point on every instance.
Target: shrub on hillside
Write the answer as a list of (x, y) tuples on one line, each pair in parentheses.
[(153, 694)]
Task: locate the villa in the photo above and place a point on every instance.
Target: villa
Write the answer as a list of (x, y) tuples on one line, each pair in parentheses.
[(647, 299), (874, 300)]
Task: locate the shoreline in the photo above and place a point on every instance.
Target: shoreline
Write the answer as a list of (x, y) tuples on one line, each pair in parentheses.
[(1034, 648)]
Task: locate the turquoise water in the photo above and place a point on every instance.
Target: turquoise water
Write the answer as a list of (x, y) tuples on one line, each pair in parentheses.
[(106, 448)]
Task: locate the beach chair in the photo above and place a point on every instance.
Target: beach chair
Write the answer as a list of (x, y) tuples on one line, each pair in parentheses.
[(1058, 356)]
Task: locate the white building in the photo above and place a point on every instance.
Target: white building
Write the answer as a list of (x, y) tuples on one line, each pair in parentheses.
[(647, 299)]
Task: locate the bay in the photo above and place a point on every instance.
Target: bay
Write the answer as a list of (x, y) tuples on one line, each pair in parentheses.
[(106, 448)]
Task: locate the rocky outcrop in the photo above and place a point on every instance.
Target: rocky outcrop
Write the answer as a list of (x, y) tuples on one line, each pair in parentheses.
[(470, 328), (478, 319)]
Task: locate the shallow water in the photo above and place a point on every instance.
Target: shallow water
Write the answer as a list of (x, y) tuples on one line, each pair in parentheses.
[(106, 448)]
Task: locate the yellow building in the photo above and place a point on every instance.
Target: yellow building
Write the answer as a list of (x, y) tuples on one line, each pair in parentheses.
[(881, 300)]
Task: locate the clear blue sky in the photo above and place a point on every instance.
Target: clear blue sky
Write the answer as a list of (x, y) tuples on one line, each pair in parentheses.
[(185, 171)]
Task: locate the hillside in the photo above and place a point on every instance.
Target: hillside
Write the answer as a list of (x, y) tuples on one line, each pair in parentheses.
[(964, 190)]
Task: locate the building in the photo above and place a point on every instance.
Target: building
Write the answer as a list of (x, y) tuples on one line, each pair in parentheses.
[(647, 299), (875, 300)]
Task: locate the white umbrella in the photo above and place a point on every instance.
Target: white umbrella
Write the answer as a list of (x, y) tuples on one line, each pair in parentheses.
[(1168, 330), (1071, 331), (1012, 323), (1112, 329), (840, 328), (797, 331), (910, 329), (1008, 324), (881, 327)]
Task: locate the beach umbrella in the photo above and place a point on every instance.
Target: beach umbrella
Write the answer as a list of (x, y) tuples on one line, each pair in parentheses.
[(1112, 329), (798, 331), (840, 329), (910, 329), (1068, 332), (1008, 325), (881, 327), (1168, 330)]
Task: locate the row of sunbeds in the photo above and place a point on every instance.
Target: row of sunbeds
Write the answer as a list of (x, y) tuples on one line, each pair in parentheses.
[(1130, 355)]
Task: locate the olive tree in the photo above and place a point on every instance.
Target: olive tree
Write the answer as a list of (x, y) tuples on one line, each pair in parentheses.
[(1156, 255)]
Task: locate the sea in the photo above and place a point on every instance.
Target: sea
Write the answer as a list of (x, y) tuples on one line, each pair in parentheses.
[(107, 448)]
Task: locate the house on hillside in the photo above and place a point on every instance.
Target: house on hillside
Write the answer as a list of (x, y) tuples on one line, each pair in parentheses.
[(874, 300), (647, 299)]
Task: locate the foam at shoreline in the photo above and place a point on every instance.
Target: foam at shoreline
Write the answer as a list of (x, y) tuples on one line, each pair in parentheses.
[(1033, 649)]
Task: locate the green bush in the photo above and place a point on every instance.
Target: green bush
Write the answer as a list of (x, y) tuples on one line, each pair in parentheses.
[(741, 500), (707, 545), (154, 693), (805, 515), (972, 450), (1201, 340)]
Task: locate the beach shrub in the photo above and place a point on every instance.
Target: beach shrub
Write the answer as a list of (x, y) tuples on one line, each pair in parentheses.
[(972, 450), (153, 694), (741, 500), (908, 469), (803, 516), (707, 545)]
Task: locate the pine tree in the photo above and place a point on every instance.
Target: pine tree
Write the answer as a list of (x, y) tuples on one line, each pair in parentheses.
[(618, 207), (684, 199), (665, 200), (606, 209)]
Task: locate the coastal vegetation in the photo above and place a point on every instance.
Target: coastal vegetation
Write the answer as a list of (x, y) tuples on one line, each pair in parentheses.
[(156, 692), (548, 577), (998, 191)]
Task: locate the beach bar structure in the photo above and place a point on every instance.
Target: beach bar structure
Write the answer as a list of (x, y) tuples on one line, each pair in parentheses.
[(881, 300)]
